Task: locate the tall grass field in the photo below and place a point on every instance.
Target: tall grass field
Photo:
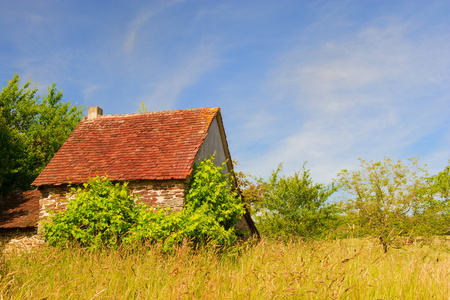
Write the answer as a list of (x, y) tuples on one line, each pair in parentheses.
[(337, 269)]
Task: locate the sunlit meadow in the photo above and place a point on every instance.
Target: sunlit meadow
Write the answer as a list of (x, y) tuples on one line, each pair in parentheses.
[(333, 269)]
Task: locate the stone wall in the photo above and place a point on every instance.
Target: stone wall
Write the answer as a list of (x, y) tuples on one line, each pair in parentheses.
[(54, 198), (7, 234), (161, 193), (242, 225), (167, 193)]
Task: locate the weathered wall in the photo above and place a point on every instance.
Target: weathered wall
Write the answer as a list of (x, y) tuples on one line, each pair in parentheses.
[(7, 234), (53, 199), (213, 144), (167, 193), (243, 225)]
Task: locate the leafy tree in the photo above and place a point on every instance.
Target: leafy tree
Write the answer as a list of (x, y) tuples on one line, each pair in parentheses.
[(250, 190), (294, 206), (17, 108), (440, 184), (210, 191), (32, 131), (11, 160), (384, 199), (435, 210)]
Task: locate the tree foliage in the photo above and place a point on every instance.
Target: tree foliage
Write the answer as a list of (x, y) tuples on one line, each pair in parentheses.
[(293, 206), (386, 199), (142, 108), (440, 184), (435, 210), (250, 189), (31, 131), (105, 214)]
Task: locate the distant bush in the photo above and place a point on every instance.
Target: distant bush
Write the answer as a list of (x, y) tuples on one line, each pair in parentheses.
[(293, 206), (105, 214)]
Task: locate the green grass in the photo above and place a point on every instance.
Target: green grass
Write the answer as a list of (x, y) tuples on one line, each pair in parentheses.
[(342, 269)]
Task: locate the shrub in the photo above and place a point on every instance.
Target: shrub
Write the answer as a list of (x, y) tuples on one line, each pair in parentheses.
[(107, 214), (210, 213), (100, 215), (294, 206)]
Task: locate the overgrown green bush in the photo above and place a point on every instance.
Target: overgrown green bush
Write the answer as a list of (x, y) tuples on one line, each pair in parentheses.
[(210, 213), (106, 214), (294, 206), (100, 215)]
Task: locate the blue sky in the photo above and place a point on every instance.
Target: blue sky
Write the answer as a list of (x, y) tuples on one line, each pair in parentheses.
[(319, 81)]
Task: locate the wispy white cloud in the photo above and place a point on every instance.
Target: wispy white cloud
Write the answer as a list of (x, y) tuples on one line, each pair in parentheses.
[(89, 90), (323, 81), (371, 94), (141, 20), (163, 92), (134, 27), (44, 70)]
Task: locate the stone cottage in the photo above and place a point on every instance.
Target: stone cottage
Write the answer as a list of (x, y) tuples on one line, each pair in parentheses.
[(153, 151)]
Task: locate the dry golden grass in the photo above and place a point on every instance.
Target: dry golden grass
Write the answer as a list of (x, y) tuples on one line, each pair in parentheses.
[(342, 269)]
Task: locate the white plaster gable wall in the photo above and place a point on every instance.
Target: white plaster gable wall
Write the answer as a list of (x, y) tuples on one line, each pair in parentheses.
[(213, 143)]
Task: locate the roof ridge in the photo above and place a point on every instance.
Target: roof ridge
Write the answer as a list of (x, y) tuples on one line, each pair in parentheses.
[(156, 112)]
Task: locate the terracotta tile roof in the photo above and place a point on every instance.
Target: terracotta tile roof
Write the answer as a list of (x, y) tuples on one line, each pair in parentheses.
[(152, 146), (20, 209)]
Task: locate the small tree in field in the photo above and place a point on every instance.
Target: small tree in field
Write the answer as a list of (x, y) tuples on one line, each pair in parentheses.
[(384, 198), (436, 212), (440, 184), (294, 206)]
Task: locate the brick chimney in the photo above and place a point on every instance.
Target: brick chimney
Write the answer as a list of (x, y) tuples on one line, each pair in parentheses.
[(94, 112)]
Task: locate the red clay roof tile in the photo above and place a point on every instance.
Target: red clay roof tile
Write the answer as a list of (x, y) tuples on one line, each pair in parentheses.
[(153, 146)]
